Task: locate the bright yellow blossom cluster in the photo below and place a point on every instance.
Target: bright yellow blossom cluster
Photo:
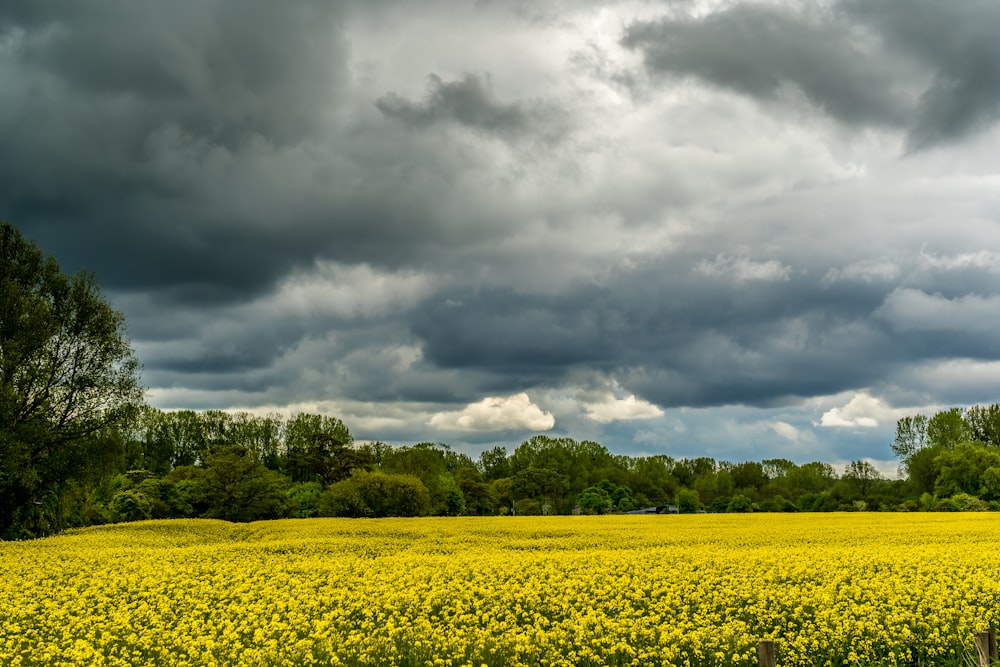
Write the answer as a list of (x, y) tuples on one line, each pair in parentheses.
[(505, 591)]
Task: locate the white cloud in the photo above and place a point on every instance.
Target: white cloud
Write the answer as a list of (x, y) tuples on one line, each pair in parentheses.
[(785, 430), (862, 411), (496, 413), (867, 271), (340, 290), (619, 409), (981, 259), (743, 269)]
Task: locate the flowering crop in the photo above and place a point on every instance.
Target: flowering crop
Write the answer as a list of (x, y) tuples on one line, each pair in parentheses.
[(559, 591)]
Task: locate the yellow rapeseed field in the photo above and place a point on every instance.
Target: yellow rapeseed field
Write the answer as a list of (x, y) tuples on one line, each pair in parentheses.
[(625, 590)]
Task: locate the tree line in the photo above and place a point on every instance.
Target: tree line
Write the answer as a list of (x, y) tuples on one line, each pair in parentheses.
[(244, 467), (78, 446)]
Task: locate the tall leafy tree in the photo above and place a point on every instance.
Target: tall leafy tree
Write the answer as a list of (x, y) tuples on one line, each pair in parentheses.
[(911, 436), (236, 486), (862, 475), (948, 428), (984, 423), (67, 371), (319, 449)]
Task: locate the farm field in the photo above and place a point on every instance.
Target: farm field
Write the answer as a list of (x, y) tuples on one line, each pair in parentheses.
[(830, 589)]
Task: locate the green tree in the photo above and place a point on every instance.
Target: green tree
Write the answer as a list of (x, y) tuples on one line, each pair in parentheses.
[(431, 463), (718, 505), (67, 371), (537, 483), (740, 503), (651, 476), (922, 469), (173, 438), (260, 434), (376, 494), (303, 499), (863, 476), (319, 449), (810, 478), (963, 469), (774, 468), (686, 471), (748, 475), (236, 486), (714, 484), (948, 428), (453, 500), (984, 423), (688, 501), (911, 436), (777, 504), (990, 484), (131, 505), (594, 500), (478, 494)]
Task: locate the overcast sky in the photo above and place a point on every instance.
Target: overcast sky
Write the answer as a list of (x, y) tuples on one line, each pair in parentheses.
[(737, 229)]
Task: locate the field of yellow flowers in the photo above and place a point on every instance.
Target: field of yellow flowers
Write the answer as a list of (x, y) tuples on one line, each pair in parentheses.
[(615, 590)]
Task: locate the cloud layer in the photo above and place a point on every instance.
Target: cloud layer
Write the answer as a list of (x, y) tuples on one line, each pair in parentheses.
[(743, 230)]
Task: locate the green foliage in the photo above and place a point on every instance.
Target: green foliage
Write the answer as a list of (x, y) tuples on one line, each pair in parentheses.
[(376, 494), (453, 500), (67, 373), (235, 486), (911, 436), (528, 507), (318, 449), (131, 505), (688, 501), (777, 504), (480, 499), (862, 475), (594, 500), (651, 477), (303, 499), (948, 428), (719, 505), (922, 469), (962, 502), (222, 477), (984, 424), (963, 469), (748, 475), (536, 483), (494, 464), (740, 503)]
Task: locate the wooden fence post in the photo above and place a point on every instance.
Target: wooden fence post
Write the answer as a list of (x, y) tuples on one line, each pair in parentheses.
[(986, 647), (765, 654)]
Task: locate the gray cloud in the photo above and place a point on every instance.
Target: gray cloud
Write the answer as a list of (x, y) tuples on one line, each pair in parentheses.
[(928, 68), (760, 50), (956, 41), (291, 214), (469, 101)]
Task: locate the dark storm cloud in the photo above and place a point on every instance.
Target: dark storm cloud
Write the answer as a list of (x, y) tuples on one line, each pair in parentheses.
[(697, 344), (158, 129), (957, 42), (286, 213), (221, 70), (469, 101), (860, 61), (759, 50)]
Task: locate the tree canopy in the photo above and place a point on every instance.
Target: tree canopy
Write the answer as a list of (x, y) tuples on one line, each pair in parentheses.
[(67, 372)]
